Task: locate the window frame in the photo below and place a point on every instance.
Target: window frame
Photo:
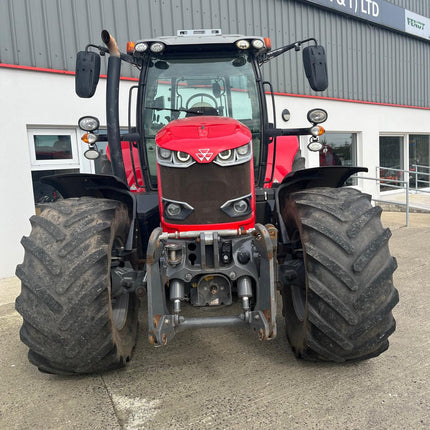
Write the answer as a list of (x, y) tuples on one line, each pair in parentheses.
[(59, 164), (404, 157), (354, 145)]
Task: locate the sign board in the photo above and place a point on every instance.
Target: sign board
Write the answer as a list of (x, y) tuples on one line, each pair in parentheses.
[(383, 13), (417, 24)]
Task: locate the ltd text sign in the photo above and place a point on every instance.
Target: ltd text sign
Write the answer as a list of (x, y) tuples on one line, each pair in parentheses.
[(383, 13)]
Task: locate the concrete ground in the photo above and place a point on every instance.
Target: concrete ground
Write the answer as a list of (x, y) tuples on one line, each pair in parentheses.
[(227, 379), (418, 201)]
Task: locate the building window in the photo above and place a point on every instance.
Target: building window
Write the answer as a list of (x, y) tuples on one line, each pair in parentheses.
[(419, 148), (53, 148), (339, 149), (52, 151)]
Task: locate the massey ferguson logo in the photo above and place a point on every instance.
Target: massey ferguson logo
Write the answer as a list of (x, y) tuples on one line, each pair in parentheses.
[(204, 154)]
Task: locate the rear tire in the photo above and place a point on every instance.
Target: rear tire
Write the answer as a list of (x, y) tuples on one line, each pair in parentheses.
[(71, 322), (339, 306)]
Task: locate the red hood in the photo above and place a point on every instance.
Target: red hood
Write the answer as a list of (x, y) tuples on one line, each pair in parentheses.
[(208, 135)]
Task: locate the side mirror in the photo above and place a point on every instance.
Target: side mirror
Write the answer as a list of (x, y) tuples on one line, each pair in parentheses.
[(315, 63), (87, 73)]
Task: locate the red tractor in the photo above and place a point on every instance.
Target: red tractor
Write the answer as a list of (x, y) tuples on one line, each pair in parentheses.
[(195, 215)]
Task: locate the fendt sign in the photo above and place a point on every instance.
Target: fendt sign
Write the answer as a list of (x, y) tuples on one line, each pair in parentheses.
[(382, 13)]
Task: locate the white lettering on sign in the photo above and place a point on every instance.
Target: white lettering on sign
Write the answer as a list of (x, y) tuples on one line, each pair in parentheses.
[(382, 12), (366, 7)]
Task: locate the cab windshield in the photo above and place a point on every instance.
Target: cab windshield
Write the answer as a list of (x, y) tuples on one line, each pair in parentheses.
[(178, 87)]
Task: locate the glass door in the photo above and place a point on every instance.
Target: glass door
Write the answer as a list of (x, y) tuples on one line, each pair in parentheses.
[(419, 148), (391, 161)]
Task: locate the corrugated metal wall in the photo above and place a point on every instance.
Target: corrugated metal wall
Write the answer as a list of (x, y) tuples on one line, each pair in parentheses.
[(421, 7), (366, 62)]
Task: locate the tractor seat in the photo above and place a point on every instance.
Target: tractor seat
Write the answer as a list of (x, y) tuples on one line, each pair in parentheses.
[(202, 110)]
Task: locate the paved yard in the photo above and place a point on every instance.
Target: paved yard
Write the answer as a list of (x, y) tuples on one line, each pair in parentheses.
[(226, 378)]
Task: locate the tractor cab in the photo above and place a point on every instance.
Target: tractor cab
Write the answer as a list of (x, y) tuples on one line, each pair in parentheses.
[(205, 73), (185, 84), (200, 73)]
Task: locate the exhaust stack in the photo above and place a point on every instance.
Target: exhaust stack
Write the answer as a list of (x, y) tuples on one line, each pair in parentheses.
[(111, 44)]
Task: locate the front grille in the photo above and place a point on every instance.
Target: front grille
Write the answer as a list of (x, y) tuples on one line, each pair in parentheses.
[(206, 187)]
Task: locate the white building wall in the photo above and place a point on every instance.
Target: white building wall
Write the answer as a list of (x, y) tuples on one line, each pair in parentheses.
[(33, 99), (369, 121)]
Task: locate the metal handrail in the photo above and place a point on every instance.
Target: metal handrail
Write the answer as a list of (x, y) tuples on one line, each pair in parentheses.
[(410, 173), (421, 165), (417, 172), (397, 181), (400, 184)]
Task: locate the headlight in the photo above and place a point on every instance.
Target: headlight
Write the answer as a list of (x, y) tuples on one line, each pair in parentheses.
[(141, 47), (314, 145), (258, 43), (157, 47), (237, 207), (92, 153), (242, 44), (89, 123), (230, 157), (175, 210), (240, 206), (244, 150), (317, 116), (164, 153), (225, 155), (183, 157), (166, 157)]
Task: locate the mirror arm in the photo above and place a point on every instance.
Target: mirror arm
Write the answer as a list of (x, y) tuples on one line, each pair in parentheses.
[(276, 52), (126, 137), (275, 132), (103, 51)]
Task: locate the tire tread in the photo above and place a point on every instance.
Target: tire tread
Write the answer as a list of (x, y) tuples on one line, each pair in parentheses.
[(64, 299)]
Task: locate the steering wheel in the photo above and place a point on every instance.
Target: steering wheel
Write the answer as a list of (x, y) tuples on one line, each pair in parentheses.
[(211, 98)]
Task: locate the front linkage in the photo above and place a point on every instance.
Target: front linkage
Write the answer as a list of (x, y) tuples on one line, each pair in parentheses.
[(204, 268)]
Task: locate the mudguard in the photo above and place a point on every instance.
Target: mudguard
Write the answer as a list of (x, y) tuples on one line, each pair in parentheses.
[(330, 176), (87, 184), (97, 186), (143, 207)]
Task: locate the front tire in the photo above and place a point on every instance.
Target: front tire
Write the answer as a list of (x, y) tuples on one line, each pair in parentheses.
[(338, 307), (70, 321)]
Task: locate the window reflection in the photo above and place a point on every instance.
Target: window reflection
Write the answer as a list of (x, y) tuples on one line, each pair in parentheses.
[(53, 147), (339, 149)]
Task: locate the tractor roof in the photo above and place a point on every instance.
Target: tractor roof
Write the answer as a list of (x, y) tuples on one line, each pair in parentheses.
[(211, 38)]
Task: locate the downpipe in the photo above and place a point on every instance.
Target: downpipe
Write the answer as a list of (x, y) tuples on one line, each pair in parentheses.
[(112, 106)]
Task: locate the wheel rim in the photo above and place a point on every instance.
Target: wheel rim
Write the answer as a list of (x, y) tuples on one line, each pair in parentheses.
[(298, 290), (120, 310), (120, 303)]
